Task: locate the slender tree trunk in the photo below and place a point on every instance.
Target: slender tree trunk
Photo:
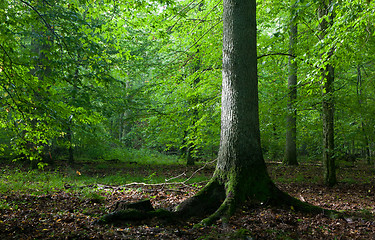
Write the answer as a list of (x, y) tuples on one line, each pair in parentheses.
[(290, 157), (367, 144), (327, 102), (70, 147), (190, 157), (120, 127), (41, 42), (328, 129), (366, 148), (126, 124), (188, 149), (192, 133), (70, 123)]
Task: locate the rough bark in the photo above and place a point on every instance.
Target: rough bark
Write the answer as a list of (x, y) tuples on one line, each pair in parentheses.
[(329, 168), (240, 172), (290, 157)]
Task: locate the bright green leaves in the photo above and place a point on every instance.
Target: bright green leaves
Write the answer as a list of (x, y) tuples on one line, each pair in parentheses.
[(149, 72), (46, 51), (347, 43), (181, 51)]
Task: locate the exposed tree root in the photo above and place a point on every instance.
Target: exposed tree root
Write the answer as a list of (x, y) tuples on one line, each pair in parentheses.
[(276, 198), (216, 201), (207, 200), (136, 215), (283, 199)]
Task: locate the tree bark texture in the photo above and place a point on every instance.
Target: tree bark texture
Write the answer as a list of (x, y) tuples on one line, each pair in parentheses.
[(327, 102), (240, 170), (240, 173), (290, 157), (240, 158), (240, 163)]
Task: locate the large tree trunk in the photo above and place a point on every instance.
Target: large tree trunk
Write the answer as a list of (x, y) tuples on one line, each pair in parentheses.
[(290, 157), (241, 172), (327, 103)]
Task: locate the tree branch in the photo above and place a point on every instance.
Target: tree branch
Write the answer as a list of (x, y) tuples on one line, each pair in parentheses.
[(275, 54)]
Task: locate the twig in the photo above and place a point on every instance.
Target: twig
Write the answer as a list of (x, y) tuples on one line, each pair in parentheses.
[(143, 184), (201, 168), (160, 184), (274, 54), (180, 175), (203, 19), (171, 27)]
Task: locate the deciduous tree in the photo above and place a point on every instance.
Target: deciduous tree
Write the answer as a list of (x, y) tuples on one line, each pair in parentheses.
[(240, 172), (325, 13), (290, 157)]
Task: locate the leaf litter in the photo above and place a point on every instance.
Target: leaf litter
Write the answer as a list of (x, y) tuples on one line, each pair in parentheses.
[(65, 214)]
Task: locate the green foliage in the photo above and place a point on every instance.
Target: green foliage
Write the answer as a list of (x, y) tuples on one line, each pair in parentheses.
[(92, 195), (32, 182), (112, 79), (146, 156), (82, 181), (47, 72)]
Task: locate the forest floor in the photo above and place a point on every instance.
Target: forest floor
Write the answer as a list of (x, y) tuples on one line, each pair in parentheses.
[(65, 214)]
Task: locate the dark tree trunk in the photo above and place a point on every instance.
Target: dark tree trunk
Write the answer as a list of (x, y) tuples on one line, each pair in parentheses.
[(70, 123), (190, 158), (187, 150), (328, 129), (328, 102), (70, 146), (290, 157), (366, 148)]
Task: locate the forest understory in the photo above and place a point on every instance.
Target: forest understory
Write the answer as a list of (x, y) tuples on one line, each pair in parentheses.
[(65, 214)]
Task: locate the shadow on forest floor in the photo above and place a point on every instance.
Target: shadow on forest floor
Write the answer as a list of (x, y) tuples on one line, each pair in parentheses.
[(70, 210)]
